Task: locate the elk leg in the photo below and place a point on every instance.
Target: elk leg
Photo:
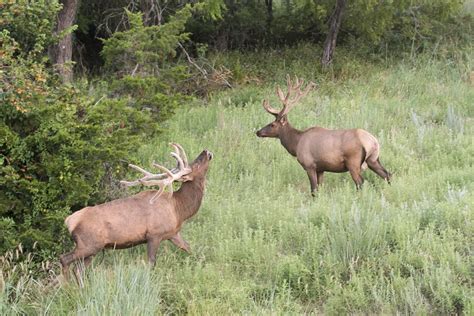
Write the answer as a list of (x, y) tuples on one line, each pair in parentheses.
[(320, 176), (313, 180), (180, 242), (152, 247), (80, 267), (70, 257), (356, 176), (66, 260), (377, 167)]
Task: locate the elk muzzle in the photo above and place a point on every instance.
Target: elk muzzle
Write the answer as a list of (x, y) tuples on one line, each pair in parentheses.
[(204, 156), (263, 132), (270, 130)]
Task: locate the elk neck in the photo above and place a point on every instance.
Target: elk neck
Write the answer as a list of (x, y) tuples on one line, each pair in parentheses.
[(188, 198), (289, 138)]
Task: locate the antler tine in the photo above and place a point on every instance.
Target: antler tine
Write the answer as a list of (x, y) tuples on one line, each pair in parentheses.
[(288, 80), (176, 155), (180, 162), (292, 86), (281, 95), (169, 173), (299, 82), (289, 87), (148, 176), (146, 173), (130, 183), (180, 151), (157, 194), (269, 108)]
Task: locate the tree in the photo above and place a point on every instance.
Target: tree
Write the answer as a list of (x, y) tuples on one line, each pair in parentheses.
[(269, 5), (334, 26), (61, 53)]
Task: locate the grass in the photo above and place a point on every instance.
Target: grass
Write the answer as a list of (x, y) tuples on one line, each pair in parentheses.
[(261, 244)]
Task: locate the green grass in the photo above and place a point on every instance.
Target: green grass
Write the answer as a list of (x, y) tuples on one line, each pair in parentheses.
[(261, 244)]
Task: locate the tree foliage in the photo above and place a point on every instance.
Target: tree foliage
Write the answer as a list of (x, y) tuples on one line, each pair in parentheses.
[(143, 59), (145, 49), (245, 22), (30, 23)]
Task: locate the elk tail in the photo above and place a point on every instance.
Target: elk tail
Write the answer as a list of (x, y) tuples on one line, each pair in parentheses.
[(73, 220), (363, 164), (371, 148)]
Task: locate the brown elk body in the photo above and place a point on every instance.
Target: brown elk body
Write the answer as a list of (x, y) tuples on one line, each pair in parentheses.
[(147, 217), (319, 149)]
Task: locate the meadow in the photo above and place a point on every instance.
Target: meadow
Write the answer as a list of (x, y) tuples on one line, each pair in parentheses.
[(262, 245)]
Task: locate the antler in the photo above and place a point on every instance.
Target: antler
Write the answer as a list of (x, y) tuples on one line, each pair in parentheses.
[(163, 179), (294, 91)]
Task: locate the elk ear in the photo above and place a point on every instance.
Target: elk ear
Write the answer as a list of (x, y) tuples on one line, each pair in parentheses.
[(283, 120)]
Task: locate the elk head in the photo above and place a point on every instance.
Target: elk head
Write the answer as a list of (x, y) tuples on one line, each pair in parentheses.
[(183, 172), (292, 97), (199, 166)]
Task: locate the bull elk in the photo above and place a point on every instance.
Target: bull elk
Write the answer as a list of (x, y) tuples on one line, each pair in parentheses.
[(318, 149), (147, 217)]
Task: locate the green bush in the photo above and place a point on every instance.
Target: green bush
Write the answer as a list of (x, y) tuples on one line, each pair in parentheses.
[(145, 50), (31, 23), (143, 58)]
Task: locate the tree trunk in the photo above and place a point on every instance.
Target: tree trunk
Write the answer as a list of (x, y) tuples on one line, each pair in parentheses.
[(334, 25), (269, 5), (151, 12), (61, 53)]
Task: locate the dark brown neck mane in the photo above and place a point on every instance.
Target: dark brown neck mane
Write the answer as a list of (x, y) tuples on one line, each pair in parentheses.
[(289, 138), (189, 197)]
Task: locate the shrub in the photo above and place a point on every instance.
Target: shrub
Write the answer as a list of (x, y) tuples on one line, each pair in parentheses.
[(143, 58), (31, 23)]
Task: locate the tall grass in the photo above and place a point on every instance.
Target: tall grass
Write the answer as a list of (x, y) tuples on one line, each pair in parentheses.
[(262, 245)]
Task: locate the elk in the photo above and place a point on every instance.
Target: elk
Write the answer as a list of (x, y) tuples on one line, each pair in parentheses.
[(147, 217), (318, 149)]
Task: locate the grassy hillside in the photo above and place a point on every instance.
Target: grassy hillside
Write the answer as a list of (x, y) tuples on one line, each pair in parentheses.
[(262, 245)]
